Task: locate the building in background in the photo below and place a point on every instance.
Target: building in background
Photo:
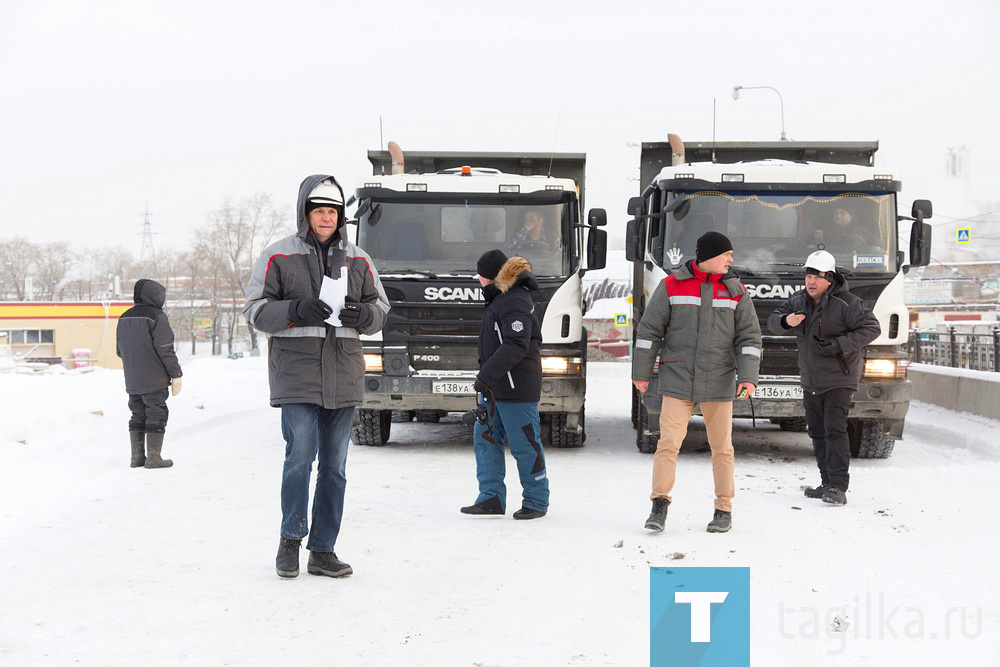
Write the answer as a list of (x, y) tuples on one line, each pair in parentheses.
[(71, 332)]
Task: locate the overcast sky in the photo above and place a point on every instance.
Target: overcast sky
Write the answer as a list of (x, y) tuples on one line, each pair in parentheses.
[(108, 106)]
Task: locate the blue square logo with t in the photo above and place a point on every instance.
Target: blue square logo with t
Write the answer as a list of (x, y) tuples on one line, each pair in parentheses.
[(699, 616)]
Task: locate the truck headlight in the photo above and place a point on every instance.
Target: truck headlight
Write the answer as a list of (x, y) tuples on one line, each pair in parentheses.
[(373, 363), (561, 365), (886, 368)]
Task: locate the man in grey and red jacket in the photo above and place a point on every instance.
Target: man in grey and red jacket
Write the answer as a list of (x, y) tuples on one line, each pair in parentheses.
[(701, 323), (316, 370), (832, 328), (145, 343)]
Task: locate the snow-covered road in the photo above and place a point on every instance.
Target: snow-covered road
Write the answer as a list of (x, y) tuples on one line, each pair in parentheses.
[(107, 565)]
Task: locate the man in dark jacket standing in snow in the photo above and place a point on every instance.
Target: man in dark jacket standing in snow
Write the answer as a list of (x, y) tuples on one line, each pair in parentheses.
[(145, 343), (704, 328), (316, 369), (832, 328), (510, 382)]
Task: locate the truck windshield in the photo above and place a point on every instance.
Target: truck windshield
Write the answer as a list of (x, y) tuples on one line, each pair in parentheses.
[(448, 237), (770, 231)]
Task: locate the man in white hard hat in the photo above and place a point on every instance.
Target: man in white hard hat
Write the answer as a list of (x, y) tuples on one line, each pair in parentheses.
[(832, 328)]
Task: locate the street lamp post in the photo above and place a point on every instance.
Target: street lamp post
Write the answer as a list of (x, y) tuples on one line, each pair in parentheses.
[(736, 96)]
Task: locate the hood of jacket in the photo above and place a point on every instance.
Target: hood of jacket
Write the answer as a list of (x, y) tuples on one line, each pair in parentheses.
[(516, 271), (305, 188), (838, 285), (150, 293)]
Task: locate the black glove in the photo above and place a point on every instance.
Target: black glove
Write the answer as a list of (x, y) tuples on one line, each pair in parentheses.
[(354, 314), (828, 347), (309, 312), (480, 386)]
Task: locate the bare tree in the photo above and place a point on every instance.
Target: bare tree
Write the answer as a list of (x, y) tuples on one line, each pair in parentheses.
[(236, 234), (52, 262), (17, 258)]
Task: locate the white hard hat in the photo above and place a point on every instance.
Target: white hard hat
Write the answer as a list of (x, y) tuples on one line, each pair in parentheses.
[(326, 192), (821, 260)]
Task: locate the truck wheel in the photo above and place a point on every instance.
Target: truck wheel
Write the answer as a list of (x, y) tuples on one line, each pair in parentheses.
[(371, 427), (429, 416), (559, 437), (403, 416), (636, 400), (645, 443), (869, 439), (797, 424)]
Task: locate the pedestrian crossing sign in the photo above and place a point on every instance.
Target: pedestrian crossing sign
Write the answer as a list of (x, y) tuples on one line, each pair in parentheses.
[(621, 319), (963, 235)]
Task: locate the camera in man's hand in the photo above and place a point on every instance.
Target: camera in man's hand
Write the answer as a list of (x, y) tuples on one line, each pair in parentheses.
[(480, 414)]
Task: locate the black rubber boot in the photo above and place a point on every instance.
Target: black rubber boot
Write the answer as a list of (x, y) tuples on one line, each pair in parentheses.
[(154, 443), (658, 517), (817, 492), (138, 439), (287, 562), (721, 522), (488, 506), (327, 564)]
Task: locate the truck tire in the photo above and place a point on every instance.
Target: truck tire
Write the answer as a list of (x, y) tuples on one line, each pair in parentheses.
[(371, 427), (645, 443), (797, 424), (558, 437), (869, 439), (429, 416), (403, 416)]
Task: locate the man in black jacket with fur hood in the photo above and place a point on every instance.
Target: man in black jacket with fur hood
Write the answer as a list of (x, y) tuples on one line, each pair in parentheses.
[(510, 383), (145, 343)]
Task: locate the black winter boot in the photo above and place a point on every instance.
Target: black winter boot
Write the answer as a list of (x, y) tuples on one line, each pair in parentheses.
[(528, 513), (658, 517), (835, 496), (721, 522), (488, 506), (138, 439), (327, 564), (817, 492), (287, 562), (154, 443)]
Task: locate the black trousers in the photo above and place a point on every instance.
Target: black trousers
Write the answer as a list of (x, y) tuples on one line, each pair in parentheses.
[(826, 416), (149, 411)]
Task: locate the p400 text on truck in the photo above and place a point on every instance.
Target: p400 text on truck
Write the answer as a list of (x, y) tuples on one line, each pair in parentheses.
[(778, 202)]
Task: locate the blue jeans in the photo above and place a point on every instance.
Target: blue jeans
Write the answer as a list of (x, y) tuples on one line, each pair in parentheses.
[(311, 430), (517, 425)]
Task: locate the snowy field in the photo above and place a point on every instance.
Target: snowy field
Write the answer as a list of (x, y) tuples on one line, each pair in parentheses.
[(106, 565)]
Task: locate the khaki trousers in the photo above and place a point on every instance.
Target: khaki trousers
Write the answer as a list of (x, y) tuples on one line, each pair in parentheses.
[(674, 417)]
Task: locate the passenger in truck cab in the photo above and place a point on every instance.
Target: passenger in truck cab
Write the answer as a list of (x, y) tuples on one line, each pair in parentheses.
[(841, 231)]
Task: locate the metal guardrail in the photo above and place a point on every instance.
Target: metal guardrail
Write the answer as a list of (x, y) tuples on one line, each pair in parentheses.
[(978, 352)]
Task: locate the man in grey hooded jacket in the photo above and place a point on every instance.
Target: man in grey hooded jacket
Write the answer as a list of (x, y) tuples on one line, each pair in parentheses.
[(316, 369), (145, 343)]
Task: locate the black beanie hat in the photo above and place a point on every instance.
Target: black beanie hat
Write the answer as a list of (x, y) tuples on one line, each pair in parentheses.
[(489, 264), (712, 244)]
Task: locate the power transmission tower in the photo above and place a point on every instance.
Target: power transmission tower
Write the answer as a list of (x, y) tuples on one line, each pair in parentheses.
[(147, 256)]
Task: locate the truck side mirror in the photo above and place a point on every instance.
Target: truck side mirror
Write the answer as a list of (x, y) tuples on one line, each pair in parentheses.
[(597, 249), (922, 209), (920, 242), (635, 206), (633, 241), (597, 217)]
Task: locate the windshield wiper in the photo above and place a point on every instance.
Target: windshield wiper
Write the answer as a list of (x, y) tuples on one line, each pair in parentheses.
[(419, 272)]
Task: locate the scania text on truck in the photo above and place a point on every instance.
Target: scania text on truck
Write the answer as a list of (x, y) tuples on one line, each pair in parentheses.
[(778, 202), (424, 232)]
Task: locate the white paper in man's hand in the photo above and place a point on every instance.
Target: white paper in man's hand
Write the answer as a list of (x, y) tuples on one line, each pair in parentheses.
[(334, 294)]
